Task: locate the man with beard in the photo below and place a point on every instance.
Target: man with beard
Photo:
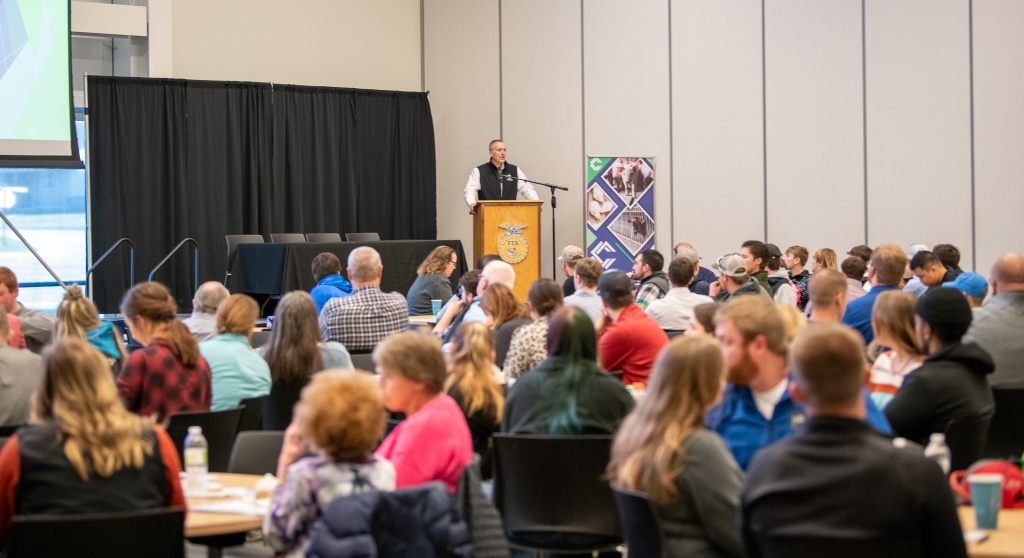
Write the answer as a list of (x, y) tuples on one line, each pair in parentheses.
[(756, 408)]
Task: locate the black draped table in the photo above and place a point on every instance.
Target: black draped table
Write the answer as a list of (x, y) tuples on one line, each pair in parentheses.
[(275, 269)]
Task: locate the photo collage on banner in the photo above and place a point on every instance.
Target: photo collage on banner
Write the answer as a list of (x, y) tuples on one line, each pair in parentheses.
[(619, 209)]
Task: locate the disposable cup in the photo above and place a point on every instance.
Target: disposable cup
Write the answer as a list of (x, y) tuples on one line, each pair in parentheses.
[(435, 307), (986, 495)]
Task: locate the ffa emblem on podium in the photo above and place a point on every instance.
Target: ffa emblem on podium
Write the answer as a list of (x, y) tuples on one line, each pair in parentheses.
[(512, 246)]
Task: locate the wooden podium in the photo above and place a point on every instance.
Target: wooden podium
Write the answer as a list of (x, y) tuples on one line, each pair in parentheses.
[(511, 229)]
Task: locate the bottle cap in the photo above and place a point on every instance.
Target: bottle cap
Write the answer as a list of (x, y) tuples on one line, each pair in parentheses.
[(195, 429)]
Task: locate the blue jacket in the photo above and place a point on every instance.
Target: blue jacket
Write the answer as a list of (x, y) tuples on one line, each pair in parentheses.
[(745, 430), (858, 312), (415, 522), (332, 286)]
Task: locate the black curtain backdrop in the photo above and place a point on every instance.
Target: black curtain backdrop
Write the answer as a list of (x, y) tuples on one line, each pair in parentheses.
[(172, 159)]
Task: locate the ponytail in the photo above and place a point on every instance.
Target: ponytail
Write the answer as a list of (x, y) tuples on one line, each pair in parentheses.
[(182, 343), (153, 301)]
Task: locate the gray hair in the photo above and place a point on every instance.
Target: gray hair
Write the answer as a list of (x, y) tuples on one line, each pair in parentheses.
[(364, 264), (500, 272), (209, 296)]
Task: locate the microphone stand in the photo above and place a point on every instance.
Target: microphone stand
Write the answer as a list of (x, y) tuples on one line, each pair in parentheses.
[(554, 203)]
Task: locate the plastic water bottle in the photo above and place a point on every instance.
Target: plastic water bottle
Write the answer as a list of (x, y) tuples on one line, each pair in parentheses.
[(939, 451), (196, 459)]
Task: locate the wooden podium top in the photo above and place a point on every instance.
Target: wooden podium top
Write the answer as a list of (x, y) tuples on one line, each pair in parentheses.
[(511, 202), (510, 225)]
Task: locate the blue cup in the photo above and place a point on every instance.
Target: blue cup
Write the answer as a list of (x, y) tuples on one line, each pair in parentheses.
[(986, 496), (435, 307)]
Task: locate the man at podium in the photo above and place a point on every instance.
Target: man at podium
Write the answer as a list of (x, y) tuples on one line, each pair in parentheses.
[(496, 179)]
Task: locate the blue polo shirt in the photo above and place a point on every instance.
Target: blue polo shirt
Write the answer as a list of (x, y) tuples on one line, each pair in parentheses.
[(745, 430), (858, 312)]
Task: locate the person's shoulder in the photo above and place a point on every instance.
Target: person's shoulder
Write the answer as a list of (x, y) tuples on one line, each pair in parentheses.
[(703, 442)]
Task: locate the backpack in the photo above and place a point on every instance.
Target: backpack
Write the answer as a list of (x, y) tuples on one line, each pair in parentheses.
[(1013, 481), (776, 282)]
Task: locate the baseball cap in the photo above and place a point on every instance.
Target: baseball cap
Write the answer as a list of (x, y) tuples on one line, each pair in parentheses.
[(690, 254), (773, 251), (570, 253), (974, 284), (732, 265), (915, 248), (944, 308)]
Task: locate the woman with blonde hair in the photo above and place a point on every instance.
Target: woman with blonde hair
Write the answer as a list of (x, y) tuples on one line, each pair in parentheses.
[(83, 452), (474, 384), (894, 350), (168, 375), (77, 317), (433, 281), (664, 450), (824, 258), (339, 420), (504, 314), (793, 319), (238, 372)]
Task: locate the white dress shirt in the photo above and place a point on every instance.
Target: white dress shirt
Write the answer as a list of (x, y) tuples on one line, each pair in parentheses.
[(473, 186), (674, 310)]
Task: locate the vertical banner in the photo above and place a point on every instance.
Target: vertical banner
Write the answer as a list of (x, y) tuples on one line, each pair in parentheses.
[(620, 209)]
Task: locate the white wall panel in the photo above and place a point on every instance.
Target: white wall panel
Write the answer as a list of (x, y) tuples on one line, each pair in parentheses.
[(814, 124), (998, 129), (542, 113), (626, 90), (717, 123), (461, 71), (918, 123)]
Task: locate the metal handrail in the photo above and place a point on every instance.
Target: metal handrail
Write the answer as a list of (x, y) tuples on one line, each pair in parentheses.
[(195, 262), (131, 263), (33, 250)]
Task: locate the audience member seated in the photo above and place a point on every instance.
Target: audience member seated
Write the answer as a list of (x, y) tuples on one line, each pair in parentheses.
[(327, 454), (755, 255), (36, 326), (629, 340), (647, 269), (15, 339), (168, 375), (675, 310), (997, 325), (433, 281), (453, 312), (664, 450), (294, 354), (794, 261), (885, 272), (434, 442), (330, 284), (703, 273), (495, 272), (733, 280), (824, 258), (756, 408), (862, 251), (696, 285), (928, 268), (20, 374), (368, 315), (585, 297), (568, 393), (77, 317), (973, 285), (894, 347), (504, 314), (475, 385), (84, 453), (854, 268), (838, 482), (828, 290), (952, 382), (702, 322), (570, 255), (238, 372), (203, 321), (792, 320), (480, 264), (783, 290), (530, 341), (949, 255), (913, 284)]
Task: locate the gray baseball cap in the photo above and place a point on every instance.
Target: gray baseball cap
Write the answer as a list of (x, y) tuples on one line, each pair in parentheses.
[(732, 265), (690, 254)]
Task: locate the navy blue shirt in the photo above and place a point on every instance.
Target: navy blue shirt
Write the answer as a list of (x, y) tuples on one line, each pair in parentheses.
[(858, 312), (705, 274)]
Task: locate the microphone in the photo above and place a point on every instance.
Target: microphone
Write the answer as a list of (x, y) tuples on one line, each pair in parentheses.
[(506, 176)]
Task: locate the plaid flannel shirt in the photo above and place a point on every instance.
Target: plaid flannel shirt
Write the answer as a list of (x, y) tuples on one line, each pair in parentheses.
[(362, 320)]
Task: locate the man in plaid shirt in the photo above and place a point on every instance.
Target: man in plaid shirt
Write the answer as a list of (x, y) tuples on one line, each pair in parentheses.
[(362, 320)]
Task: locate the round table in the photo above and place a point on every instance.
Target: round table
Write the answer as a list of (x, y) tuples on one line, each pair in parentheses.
[(200, 524), (1006, 540)]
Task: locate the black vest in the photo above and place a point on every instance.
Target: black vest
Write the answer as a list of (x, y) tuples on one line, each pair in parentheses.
[(491, 188)]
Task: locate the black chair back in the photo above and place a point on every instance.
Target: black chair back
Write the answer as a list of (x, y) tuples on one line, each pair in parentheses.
[(323, 237), (260, 338), (392, 423), (1005, 435), (362, 237), (9, 430), (287, 238), (640, 524), (787, 547), (673, 333), (278, 406), (252, 414), (363, 361), (966, 440), (158, 533), (617, 375), (256, 453), (3, 440), (552, 494), (219, 429)]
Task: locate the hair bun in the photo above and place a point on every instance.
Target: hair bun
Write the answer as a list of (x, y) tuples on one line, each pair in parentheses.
[(73, 293)]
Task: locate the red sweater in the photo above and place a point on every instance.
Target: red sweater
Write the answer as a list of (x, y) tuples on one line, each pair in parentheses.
[(631, 344), (10, 475)]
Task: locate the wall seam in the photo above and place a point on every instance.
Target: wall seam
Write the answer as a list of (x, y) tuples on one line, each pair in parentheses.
[(864, 96), (970, 41), (671, 139), (423, 50), (501, 84), (583, 112), (764, 124)]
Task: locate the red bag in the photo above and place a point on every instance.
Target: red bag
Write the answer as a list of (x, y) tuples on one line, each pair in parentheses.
[(1013, 481)]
